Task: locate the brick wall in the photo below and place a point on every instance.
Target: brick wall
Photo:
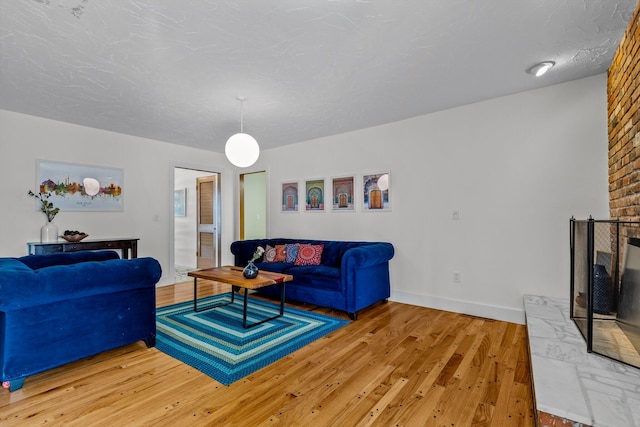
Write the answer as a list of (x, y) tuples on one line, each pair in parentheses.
[(623, 93)]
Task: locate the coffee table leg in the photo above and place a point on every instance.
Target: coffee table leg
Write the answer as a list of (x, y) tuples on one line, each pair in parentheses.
[(281, 298), (195, 294), (195, 299), (244, 310)]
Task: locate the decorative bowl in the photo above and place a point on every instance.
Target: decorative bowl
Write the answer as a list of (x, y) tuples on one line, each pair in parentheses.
[(74, 237)]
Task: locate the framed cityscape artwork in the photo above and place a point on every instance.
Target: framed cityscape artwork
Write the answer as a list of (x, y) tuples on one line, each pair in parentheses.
[(76, 187)]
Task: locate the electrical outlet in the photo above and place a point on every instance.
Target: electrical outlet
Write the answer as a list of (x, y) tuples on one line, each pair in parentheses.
[(457, 277)]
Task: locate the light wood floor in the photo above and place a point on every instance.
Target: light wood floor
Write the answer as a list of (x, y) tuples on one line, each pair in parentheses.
[(397, 365)]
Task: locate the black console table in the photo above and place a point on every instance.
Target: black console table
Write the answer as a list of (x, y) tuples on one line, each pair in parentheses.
[(125, 245)]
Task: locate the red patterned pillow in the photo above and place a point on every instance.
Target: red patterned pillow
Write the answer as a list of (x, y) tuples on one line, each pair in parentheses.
[(281, 254), (269, 254), (309, 255)]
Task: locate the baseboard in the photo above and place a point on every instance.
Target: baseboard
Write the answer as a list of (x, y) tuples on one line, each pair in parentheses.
[(459, 306), (165, 281)]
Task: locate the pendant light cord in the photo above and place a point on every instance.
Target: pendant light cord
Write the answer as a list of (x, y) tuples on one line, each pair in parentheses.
[(242, 116)]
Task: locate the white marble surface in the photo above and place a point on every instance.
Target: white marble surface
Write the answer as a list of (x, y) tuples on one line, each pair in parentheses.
[(571, 383)]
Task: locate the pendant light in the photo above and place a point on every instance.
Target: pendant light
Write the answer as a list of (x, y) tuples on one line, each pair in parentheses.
[(242, 149)]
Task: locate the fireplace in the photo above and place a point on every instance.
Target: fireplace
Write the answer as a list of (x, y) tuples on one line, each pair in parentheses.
[(605, 286)]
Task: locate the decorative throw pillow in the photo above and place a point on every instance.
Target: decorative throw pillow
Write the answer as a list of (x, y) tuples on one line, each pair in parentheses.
[(309, 255), (281, 254), (269, 254), (292, 252)]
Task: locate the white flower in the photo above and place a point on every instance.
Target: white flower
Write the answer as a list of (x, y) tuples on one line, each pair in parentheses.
[(257, 254)]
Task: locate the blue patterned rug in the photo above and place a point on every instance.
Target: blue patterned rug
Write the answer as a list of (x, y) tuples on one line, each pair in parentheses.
[(215, 342)]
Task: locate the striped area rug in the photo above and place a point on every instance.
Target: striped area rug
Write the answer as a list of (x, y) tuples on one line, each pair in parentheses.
[(214, 341)]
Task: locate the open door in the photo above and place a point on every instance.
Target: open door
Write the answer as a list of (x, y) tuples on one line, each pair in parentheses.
[(207, 235), (253, 205)]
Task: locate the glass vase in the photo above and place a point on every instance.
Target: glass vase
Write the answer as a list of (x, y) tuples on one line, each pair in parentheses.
[(250, 271), (49, 233)]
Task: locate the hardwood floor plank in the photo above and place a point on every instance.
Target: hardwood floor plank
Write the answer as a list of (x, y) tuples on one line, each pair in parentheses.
[(396, 365)]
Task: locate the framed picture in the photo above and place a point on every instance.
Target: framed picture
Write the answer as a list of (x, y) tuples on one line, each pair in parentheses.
[(290, 197), (342, 194), (180, 202), (314, 195), (376, 189), (75, 187)]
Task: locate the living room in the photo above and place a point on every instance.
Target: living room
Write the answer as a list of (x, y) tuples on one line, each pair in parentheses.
[(515, 168), (510, 189)]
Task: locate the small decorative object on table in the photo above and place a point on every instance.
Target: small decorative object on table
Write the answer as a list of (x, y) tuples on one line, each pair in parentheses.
[(73, 236), (251, 271), (49, 231)]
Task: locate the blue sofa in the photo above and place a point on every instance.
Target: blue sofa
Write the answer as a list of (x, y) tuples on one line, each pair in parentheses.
[(62, 307), (351, 275)]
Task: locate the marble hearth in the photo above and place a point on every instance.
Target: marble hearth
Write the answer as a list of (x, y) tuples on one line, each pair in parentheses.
[(571, 384)]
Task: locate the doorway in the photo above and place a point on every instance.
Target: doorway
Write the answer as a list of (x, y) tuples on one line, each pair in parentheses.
[(253, 205), (196, 221)]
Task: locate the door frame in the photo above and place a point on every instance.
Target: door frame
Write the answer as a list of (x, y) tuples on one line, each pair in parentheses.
[(215, 179), (241, 186), (172, 222)]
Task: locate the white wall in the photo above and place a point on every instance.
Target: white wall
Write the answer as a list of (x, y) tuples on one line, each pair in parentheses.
[(517, 168), (148, 184)]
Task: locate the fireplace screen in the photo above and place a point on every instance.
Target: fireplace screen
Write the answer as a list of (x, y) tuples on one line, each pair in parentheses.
[(605, 286)]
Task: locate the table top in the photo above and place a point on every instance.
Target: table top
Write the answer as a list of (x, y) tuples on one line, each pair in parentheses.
[(61, 241), (233, 276)]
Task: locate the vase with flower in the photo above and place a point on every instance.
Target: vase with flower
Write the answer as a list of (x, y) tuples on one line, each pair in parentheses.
[(49, 231), (251, 271)]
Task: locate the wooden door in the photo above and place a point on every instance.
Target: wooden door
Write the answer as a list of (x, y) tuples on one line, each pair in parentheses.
[(207, 232), (375, 199)]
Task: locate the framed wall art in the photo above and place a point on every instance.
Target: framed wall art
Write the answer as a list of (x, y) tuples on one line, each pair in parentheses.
[(342, 194), (376, 191), (314, 195), (290, 197), (76, 187), (180, 202)]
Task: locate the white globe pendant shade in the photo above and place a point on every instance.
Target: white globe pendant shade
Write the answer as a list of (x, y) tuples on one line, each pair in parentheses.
[(242, 150)]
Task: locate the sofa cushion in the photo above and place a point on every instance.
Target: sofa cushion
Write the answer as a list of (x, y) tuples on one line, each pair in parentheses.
[(59, 282), (274, 267), (269, 254), (67, 258), (281, 254), (316, 276), (309, 255), (12, 264), (292, 251)]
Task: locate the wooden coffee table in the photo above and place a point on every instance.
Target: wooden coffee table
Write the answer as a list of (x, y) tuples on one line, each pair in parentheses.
[(233, 276)]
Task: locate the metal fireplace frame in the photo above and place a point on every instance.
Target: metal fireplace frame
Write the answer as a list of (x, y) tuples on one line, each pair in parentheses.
[(585, 253)]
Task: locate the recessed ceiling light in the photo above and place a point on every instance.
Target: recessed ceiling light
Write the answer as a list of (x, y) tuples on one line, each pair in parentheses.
[(541, 68)]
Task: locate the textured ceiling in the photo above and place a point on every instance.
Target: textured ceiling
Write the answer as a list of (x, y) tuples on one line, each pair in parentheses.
[(171, 70)]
